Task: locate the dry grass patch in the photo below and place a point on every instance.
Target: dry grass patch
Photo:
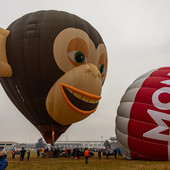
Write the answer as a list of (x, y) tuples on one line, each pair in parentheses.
[(94, 164)]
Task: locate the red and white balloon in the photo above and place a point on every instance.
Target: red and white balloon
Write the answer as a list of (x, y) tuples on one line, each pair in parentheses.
[(143, 117)]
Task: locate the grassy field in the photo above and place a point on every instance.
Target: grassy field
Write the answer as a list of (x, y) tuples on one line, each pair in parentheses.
[(71, 164)]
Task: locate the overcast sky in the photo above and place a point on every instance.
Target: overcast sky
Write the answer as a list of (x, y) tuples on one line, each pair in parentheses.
[(137, 37)]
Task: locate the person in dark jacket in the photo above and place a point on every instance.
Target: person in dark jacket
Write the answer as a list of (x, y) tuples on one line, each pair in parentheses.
[(107, 154), (22, 154), (69, 153), (75, 153), (38, 153), (78, 153), (99, 154), (28, 155), (3, 160), (115, 153), (13, 154)]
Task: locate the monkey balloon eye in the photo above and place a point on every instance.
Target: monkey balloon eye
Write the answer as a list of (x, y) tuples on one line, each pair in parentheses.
[(102, 69), (77, 57)]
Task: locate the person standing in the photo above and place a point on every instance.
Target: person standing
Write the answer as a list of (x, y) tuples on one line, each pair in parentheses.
[(3, 160), (107, 154), (65, 152), (22, 154), (115, 153), (28, 155), (38, 153), (78, 153), (69, 153), (86, 154), (99, 154), (13, 154), (75, 153)]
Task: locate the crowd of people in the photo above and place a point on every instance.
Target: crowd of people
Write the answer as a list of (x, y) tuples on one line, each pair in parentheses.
[(76, 153), (22, 153), (108, 152), (56, 152)]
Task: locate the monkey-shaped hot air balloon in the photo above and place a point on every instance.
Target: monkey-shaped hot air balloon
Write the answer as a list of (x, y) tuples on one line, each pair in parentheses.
[(143, 117), (52, 66)]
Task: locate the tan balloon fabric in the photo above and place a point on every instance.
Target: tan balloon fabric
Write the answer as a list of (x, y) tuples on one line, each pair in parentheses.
[(5, 69)]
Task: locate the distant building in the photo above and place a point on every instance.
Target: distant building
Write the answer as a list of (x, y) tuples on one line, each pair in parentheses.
[(60, 144), (80, 144), (31, 146), (7, 145)]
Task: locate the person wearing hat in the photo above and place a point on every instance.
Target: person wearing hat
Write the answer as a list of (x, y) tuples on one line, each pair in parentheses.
[(3, 160)]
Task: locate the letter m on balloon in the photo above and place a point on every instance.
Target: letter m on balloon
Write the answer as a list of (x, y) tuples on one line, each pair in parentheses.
[(157, 132), (159, 117)]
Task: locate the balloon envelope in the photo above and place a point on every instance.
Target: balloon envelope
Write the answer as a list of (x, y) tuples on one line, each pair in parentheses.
[(59, 64), (143, 117)]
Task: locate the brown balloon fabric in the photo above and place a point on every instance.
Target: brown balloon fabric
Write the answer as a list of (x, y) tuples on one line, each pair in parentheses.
[(29, 49)]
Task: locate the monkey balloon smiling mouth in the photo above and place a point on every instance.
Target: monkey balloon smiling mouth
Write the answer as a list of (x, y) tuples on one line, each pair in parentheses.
[(80, 101)]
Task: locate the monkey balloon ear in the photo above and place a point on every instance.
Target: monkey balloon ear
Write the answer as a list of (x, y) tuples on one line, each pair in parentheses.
[(5, 68)]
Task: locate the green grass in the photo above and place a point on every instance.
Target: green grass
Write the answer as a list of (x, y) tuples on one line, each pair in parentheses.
[(71, 164)]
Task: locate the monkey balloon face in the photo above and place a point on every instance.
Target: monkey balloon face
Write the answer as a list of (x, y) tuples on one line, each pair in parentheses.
[(76, 94)]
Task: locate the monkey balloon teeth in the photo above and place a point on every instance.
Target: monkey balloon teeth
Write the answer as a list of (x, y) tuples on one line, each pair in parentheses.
[(80, 101)]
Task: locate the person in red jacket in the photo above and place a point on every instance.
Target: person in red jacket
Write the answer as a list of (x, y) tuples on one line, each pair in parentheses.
[(86, 155), (13, 153)]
